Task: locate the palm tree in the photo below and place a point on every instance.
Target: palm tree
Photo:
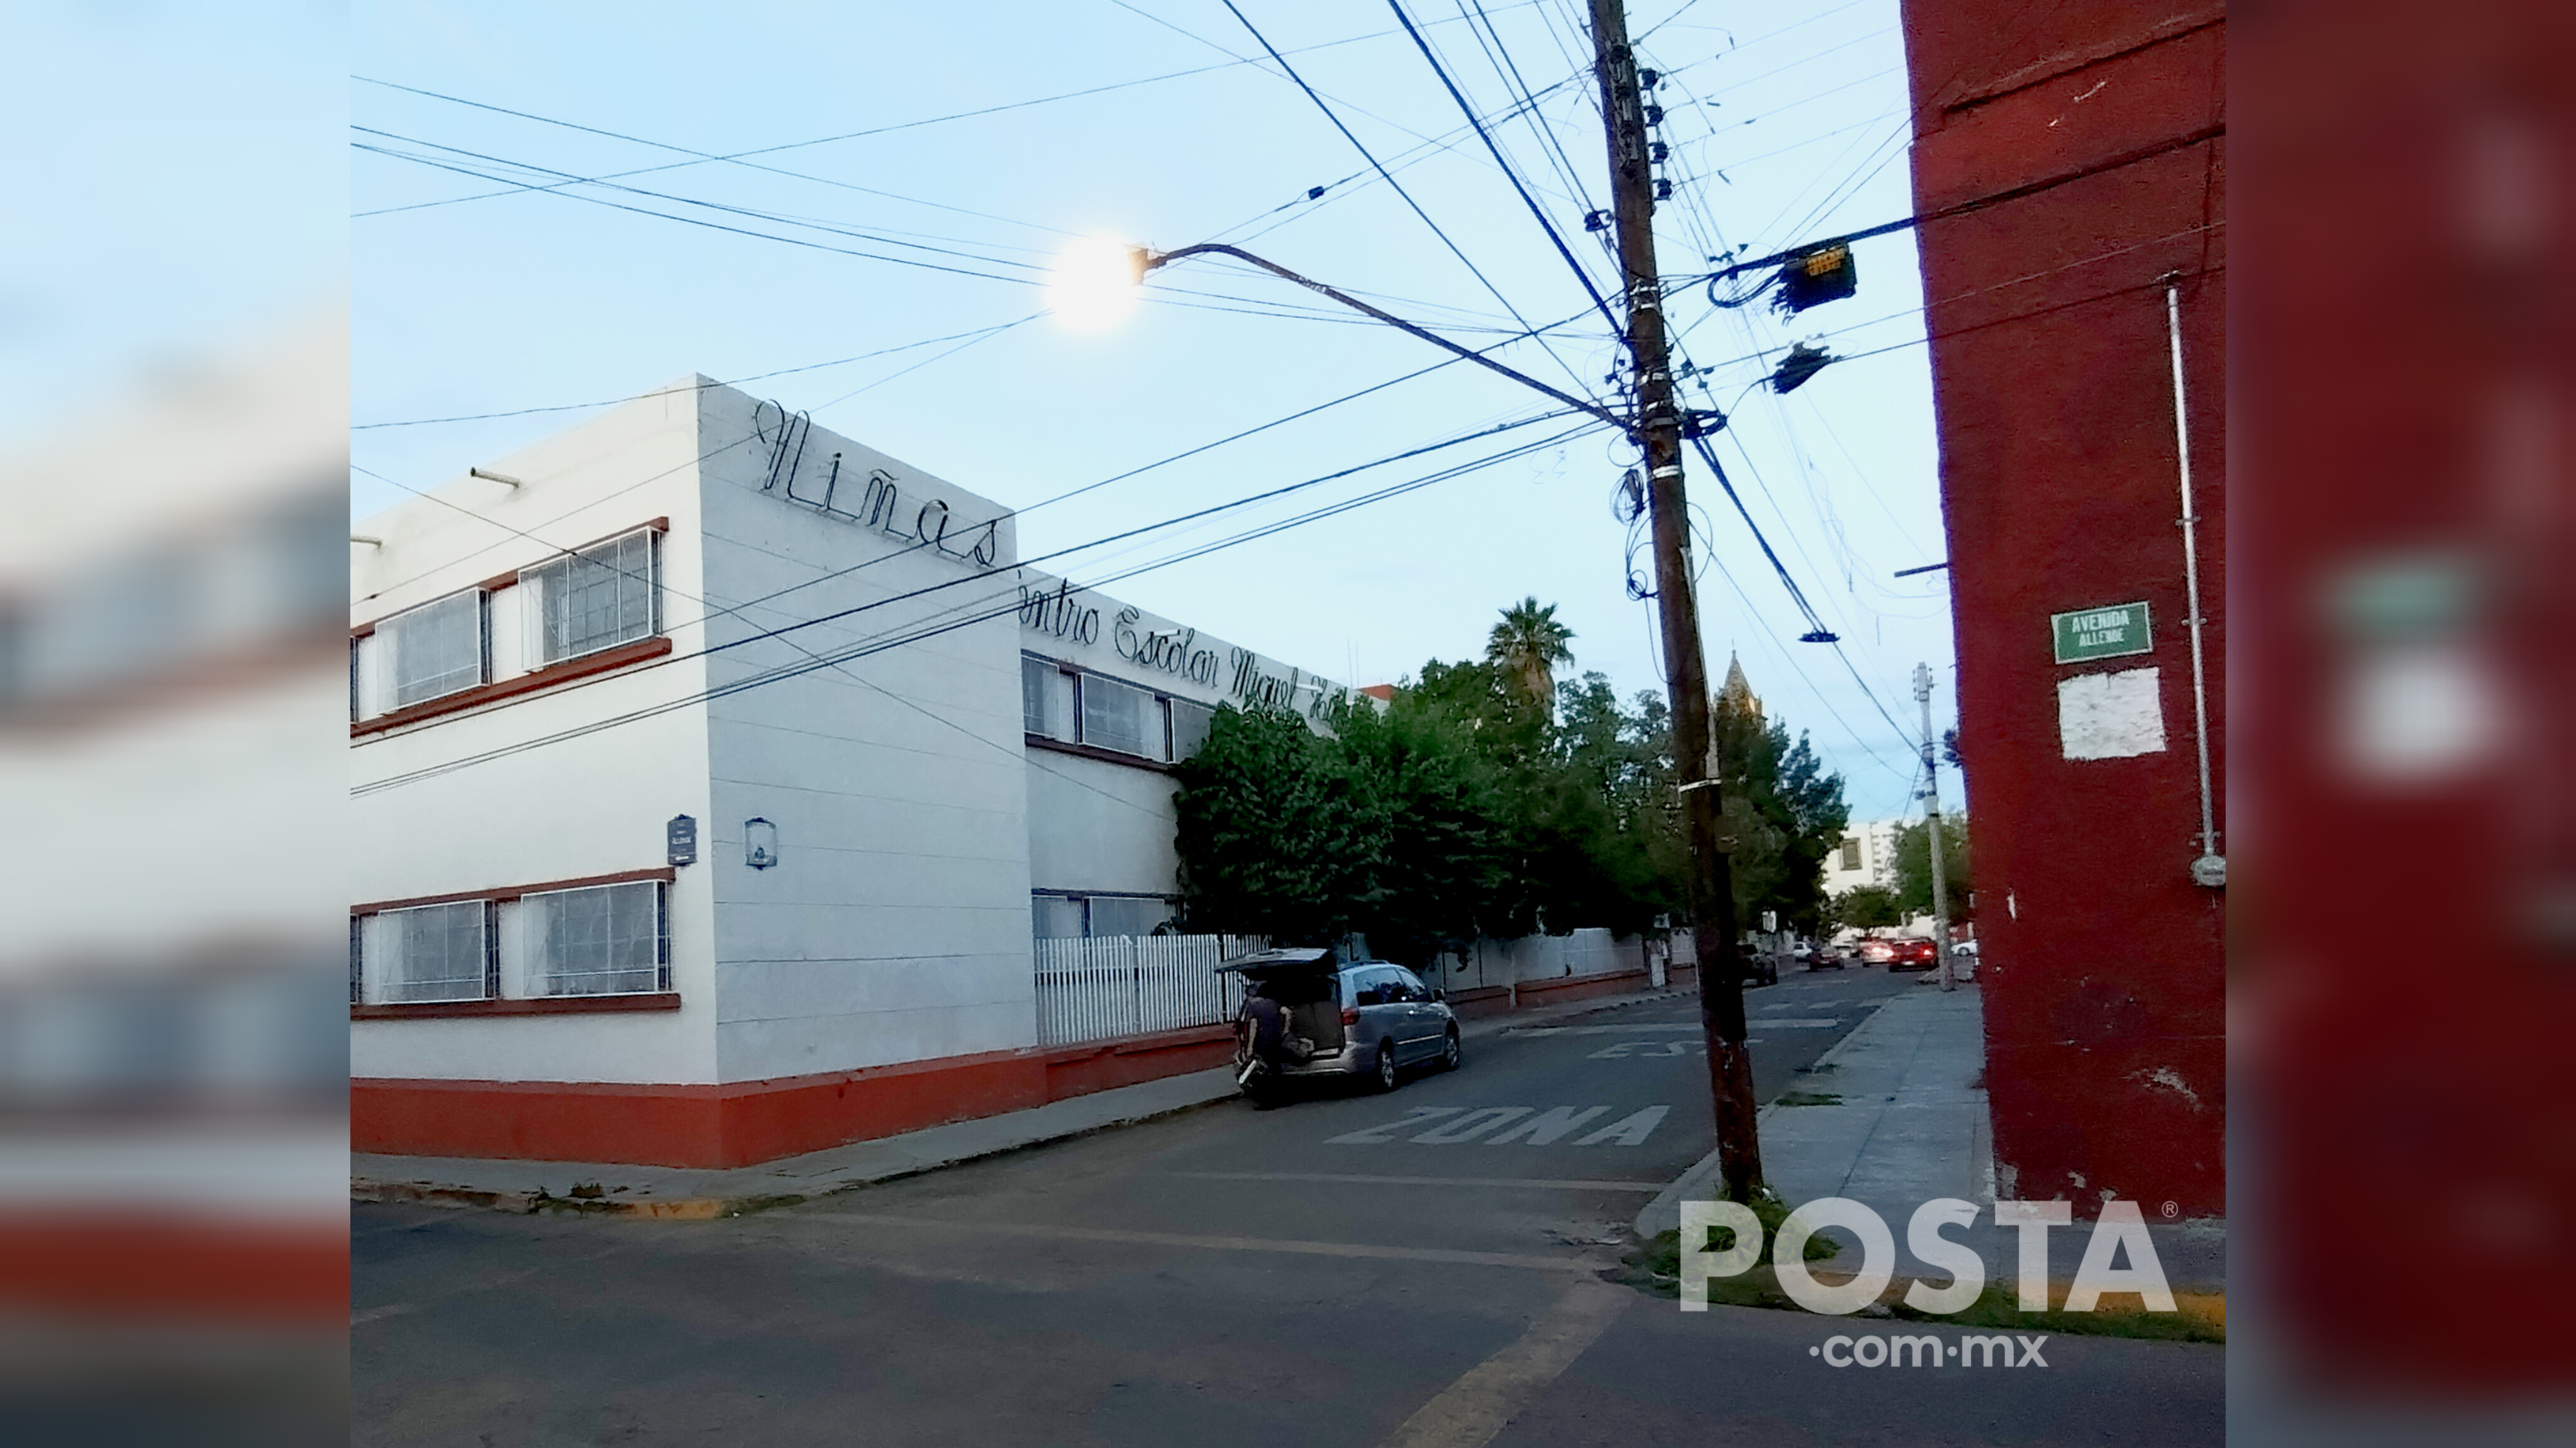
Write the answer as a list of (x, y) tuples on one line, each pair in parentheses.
[(1528, 645)]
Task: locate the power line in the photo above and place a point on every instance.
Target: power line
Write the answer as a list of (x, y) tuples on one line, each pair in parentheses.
[(1122, 536), (1088, 487), (698, 386), (734, 610), (899, 637), (1255, 307), (1509, 71), (735, 159), (702, 158), (1837, 194), (1392, 182), (1798, 595), (1509, 174)]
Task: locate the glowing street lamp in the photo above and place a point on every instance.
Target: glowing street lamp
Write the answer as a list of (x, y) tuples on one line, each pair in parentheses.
[(1095, 282), (1093, 286)]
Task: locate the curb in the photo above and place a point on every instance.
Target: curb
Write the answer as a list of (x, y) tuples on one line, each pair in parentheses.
[(703, 1209), (1664, 1213), (711, 1208)]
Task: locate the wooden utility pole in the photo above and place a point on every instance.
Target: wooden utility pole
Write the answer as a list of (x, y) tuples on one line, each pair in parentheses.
[(1659, 433)]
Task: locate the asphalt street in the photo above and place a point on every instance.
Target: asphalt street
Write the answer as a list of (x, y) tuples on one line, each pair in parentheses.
[(1348, 1268)]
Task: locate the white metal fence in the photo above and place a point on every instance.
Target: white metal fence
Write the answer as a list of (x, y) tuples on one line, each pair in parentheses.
[(1109, 986), (1538, 958)]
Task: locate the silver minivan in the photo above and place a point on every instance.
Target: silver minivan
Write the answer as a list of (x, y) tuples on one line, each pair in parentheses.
[(1365, 1018)]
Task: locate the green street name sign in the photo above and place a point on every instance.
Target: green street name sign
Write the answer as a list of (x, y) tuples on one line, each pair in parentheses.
[(2101, 633)]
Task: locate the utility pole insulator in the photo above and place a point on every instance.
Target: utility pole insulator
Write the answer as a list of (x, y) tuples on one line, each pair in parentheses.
[(1659, 434)]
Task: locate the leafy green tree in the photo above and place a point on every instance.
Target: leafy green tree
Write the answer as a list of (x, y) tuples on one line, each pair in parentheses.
[(1484, 800), (1436, 810), (1275, 837), (1528, 645), (1788, 814), (1865, 907), (1914, 867)]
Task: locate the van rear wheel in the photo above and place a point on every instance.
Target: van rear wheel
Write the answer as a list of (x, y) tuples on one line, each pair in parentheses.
[(1386, 1066)]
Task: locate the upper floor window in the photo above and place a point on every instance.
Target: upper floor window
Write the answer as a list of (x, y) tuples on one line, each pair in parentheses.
[(1190, 723), (435, 649), (1079, 707), (1851, 852), (1046, 699), (593, 599), (570, 607), (1121, 717)]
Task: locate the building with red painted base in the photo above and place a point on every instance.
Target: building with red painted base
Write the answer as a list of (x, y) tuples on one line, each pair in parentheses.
[(712, 778), (2070, 167)]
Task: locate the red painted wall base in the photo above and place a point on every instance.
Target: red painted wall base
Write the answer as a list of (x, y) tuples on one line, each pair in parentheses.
[(751, 1121), (755, 1121)]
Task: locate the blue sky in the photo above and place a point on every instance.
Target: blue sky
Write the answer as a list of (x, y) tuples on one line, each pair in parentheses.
[(176, 186), (956, 143)]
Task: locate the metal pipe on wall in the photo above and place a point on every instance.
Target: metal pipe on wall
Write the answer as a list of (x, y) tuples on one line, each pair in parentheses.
[(2211, 868)]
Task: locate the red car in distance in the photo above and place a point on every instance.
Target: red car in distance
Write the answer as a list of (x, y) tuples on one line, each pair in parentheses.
[(1912, 952)]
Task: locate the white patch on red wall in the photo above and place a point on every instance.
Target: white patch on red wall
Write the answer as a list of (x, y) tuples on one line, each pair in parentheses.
[(2111, 716)]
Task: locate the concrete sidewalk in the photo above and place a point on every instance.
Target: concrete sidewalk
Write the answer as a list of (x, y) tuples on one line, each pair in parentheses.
[(1895, 1115), (688, 1193)]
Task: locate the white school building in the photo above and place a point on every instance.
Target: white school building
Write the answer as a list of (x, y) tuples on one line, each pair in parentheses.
[(723, 788)]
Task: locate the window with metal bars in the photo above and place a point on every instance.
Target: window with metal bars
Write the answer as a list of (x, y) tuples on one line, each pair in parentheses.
[(595, 598), (436, 649), (447, 952), (599, 940)]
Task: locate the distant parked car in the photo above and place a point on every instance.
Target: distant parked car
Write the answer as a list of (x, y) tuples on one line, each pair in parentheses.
[(1908, 952), (1366, 1018), (1816, 955), (1913, 953)]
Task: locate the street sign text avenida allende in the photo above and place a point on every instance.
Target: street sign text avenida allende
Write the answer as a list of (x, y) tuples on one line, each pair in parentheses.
[(2101, 633)]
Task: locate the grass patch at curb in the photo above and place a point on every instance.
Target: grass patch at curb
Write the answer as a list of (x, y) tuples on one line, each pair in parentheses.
[(1807, 1098), (1655, 1266)]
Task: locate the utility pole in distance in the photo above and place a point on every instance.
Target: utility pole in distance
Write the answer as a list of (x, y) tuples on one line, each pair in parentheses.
[(1932, 829), (1659, 433)]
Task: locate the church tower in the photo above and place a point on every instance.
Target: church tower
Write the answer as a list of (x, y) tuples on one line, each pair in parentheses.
[(1736, 696)]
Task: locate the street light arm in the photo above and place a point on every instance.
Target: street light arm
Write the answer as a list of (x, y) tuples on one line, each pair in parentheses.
[(1153, 259)]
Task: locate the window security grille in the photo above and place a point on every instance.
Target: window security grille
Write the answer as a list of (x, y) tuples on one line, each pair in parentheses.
[(1037, 689), (435, 649), (1128, 915), (602, 940), (1055, 916), (597, 598), (1121, 717), (430, 953), (1190, 724)]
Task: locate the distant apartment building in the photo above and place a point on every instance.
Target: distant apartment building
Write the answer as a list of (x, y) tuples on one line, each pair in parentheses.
[(1867, 856)]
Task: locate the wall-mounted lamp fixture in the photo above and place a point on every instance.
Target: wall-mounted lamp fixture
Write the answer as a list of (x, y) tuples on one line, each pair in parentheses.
[(759, 843), (503, 478), (363, 538)]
